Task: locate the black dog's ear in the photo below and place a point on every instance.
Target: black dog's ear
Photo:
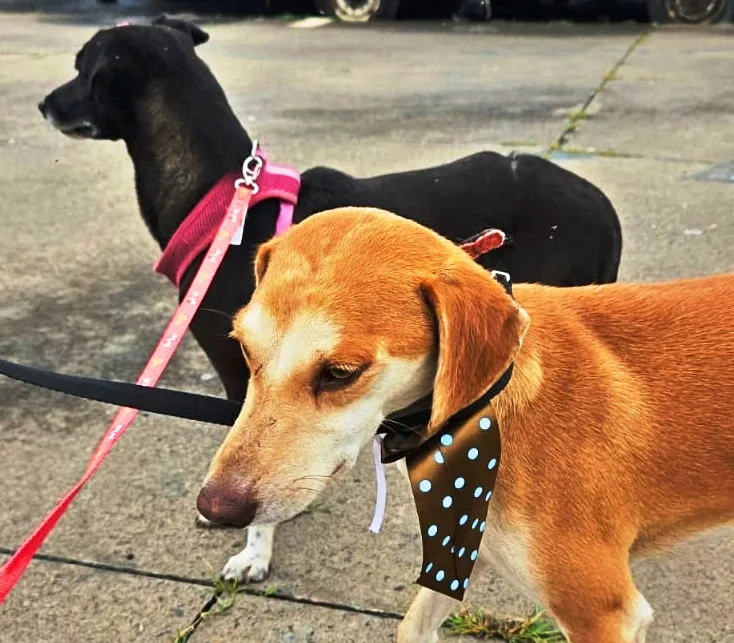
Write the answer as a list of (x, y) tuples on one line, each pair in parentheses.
[(197, 35)]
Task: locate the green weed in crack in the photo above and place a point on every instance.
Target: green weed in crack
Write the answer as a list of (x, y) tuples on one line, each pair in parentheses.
[(537, 628), (222, 600)]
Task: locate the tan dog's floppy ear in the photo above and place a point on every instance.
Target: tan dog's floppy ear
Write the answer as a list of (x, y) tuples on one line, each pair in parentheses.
[(480, 329)]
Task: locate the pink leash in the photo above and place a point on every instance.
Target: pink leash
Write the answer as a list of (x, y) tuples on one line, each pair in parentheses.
[(15, 566)]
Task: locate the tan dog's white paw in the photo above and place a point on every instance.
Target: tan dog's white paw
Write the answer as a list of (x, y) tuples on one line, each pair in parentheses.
[(247, 567), (252, 564)]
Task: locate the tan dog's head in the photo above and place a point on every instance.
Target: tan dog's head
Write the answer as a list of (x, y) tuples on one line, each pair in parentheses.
[(357, 313)]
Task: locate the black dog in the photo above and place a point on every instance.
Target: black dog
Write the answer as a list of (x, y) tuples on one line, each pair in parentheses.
[(144, 84)]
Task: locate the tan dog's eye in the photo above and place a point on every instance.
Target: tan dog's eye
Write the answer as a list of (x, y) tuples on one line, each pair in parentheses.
[(334, 376)]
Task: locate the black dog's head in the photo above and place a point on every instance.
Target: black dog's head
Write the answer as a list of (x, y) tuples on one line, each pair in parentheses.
[(116, 68)]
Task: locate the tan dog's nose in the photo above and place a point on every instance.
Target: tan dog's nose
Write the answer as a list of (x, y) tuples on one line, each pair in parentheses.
[(226, 506)]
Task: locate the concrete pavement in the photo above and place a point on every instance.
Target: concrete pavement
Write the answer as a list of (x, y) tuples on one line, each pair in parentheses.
[(78, 295)]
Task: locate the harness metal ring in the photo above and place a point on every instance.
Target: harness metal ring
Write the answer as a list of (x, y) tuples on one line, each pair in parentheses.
[(253, 187), (251, 169)]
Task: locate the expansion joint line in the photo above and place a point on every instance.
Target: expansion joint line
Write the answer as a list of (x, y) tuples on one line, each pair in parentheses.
[(572, 120)]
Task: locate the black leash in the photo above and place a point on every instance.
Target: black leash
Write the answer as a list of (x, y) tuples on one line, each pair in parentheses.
[(162, 401), (190, 406)]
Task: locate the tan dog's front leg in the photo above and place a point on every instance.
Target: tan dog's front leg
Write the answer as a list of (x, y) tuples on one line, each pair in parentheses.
[(427, 611), (425, 616)]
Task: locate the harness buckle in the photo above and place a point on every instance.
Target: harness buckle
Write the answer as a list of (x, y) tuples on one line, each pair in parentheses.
[(251, 169)]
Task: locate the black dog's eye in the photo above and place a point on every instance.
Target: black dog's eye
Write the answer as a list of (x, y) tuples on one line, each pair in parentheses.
[(334, 376)]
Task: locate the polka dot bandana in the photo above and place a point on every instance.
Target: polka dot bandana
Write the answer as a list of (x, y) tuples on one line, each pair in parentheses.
[(453, 470), (452, 475)]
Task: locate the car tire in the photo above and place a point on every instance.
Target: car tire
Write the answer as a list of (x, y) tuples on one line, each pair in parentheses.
[(359, 10), (692, 12)]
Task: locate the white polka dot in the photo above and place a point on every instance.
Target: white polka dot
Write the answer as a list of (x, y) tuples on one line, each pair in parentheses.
[(473, 453), (475, 523), (459, 482), (454, 585), (477, 492), (466, 583), (446, 440), (429, 567), (425, 486), (474, 555), (440, 575), (463, 519), (432, 530), (452, 550), (488, 496), (461, 551), (485, 423), (447, 502), (438, 457), (446, 541), (482, 526), (492, 464)]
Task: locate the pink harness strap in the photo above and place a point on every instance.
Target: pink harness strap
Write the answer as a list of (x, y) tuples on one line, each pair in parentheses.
[(197, 231)]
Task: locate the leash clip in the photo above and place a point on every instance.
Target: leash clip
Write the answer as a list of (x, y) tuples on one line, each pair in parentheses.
[(251, 169)]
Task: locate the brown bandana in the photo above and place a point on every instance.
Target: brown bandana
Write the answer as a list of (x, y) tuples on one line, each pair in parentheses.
[(453, 476)]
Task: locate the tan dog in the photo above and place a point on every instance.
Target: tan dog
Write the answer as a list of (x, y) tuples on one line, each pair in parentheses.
[(617, 425)]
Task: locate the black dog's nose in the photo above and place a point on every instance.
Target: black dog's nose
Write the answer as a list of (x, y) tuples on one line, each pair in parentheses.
[(225, 506), (42, 108)]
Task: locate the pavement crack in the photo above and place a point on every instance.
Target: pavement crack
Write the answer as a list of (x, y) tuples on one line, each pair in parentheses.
[(581, 113), (187, 580)]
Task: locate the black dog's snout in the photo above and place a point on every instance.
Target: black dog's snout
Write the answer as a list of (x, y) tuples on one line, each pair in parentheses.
[(42, 108)]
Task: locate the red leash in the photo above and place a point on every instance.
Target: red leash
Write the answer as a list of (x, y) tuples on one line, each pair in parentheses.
[(15, 566)]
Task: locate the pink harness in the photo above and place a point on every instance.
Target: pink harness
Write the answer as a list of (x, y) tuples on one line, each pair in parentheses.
[(197, 231)]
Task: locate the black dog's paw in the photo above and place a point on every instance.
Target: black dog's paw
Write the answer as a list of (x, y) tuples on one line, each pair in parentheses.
[(198, 36)]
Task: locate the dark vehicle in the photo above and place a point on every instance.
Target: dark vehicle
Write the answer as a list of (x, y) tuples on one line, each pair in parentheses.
[(659, 11)]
